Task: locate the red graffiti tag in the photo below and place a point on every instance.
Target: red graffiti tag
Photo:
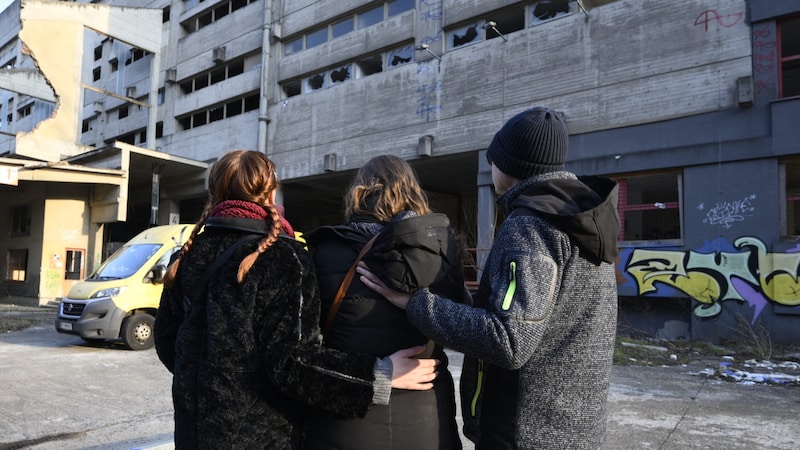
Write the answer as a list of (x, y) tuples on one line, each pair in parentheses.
[(726, 20)]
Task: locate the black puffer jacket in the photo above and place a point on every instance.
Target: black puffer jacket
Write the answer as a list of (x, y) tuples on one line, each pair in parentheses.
[(245, 357), (411, 253)]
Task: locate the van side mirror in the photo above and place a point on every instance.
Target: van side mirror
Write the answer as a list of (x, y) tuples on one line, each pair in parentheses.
[(157, 273)]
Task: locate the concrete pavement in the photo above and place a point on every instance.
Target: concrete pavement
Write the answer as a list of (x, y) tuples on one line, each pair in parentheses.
[(59, 393)]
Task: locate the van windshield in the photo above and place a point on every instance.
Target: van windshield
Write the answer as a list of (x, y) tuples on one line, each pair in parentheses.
[(125, 261)]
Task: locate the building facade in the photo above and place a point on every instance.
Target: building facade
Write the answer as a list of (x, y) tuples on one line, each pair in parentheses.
[(691, 107)]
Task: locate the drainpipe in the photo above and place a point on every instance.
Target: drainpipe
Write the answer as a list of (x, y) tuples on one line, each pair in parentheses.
[(263, 108)]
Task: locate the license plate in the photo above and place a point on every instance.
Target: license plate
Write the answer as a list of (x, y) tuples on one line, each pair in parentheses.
[(66, 326)]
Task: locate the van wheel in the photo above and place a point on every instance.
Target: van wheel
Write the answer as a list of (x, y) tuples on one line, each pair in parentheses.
[(137, 331)]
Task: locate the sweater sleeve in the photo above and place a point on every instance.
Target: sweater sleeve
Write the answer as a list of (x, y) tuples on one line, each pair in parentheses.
[(518, 291), (165, 329), (300, 367)]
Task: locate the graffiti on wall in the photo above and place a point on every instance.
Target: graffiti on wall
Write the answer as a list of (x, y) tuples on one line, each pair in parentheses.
[(428, 87), (727, 213), (743, 271), (711, 16)]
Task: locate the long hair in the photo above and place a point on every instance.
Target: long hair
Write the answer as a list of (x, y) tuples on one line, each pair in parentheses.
[(385, 186), (239, 175)]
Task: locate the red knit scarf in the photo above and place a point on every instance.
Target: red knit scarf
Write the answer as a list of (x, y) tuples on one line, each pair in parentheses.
[(249, 210)]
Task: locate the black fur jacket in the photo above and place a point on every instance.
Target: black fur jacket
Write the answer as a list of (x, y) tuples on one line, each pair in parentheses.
[(245, 357)]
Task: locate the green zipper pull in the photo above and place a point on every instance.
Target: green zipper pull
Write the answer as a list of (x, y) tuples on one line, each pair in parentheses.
[(474, 404), (512, 287)]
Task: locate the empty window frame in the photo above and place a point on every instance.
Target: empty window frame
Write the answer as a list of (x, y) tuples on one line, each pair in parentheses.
[(790, 182), (212, 15), (789, 57), (216, 113), (219, 74), (649, 207), (25, 111), (17, 263), (507, 20), (134, 55), (73, 264), (20, 220), (122, 112), (348, 24)]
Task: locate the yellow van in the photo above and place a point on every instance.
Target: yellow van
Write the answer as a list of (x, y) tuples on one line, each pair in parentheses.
[(120, 299)]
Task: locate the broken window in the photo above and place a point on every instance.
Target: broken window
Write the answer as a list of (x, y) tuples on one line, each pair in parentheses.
[(315, 82), (370, 64), (341, 74), (86, 126), (399, 56), (96, 73), (122, 112), (165, 14), (159, 130), (506, 21), (292, 88), (545, 10), (466, 35), (789, 75), (98, 52)]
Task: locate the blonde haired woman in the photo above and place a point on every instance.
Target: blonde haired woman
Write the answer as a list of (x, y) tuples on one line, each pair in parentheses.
[(238, 325), (414, 248)]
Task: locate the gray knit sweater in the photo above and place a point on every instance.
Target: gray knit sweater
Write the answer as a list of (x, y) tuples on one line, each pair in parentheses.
[(539, 340)]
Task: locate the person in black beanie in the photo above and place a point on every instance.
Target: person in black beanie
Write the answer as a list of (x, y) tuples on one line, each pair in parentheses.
[(539, 340)]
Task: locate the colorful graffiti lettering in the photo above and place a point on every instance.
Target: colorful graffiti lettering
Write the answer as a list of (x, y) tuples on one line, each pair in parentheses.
[(744, 271)]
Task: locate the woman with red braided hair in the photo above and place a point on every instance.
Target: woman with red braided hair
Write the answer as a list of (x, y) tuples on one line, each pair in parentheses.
[(238, 326)]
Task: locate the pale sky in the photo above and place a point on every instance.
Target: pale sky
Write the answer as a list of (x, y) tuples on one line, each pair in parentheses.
[(4, 4)]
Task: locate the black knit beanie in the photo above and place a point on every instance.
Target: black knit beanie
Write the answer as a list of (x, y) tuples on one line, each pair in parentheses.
[(531, 143)]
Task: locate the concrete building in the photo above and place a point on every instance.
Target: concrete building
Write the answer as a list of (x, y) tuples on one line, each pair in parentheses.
[(691, 107)]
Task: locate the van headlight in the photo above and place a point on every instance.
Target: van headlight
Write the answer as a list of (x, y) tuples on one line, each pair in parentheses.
[(110, 292)]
